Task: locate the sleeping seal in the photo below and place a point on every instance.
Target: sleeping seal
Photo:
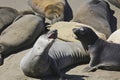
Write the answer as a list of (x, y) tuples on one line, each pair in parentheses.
[(20, 34), (7, 16), (103, 54), (52, 9), (95, 13), (66, 33), (50, 56)]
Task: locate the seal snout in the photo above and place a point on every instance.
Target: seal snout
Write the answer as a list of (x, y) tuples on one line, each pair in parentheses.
[(75, 30)]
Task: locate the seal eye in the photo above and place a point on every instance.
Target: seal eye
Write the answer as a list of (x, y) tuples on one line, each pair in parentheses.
[(82, 29)]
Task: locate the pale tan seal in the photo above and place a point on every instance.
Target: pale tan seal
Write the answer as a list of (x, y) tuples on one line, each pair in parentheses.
[(66, 33), (52, 9)]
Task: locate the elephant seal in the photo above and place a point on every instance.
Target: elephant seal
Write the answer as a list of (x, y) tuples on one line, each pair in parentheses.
[(114, 37), (7, 16), (52, 9), (66, 33), (48, 57), (95, 13), (115, 3), (103, 54), (20, 35)]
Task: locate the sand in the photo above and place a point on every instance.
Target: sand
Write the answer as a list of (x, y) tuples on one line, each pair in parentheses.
[(11, 69)]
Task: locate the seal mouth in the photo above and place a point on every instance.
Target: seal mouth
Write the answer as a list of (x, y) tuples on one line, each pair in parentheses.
[(79, 32), (52, 34), (76, 32)]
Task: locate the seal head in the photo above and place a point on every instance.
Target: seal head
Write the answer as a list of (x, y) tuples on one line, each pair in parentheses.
[(85, 35)]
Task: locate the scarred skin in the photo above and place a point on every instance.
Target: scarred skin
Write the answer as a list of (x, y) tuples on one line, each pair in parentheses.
[(20, 35), (48, 57)]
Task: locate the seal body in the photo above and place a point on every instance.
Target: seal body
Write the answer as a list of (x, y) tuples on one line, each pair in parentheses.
[(44, 61), (52, 9), (114, 37), (7, 16), (104, 55), (21, 34), (95, 13)]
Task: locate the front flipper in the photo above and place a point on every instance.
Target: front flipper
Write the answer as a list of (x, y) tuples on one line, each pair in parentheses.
[(56, 70), (89, 69), (92, 69)]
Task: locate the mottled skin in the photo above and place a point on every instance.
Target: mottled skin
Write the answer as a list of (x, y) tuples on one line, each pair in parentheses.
[(50, 58), (20, 35), (52, 9), (103, 54), (115, 3), (95, 13), (7, 16)]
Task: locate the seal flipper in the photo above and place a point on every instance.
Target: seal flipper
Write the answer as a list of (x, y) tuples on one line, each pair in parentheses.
[(56, 70), (99, 66), (89, 69)]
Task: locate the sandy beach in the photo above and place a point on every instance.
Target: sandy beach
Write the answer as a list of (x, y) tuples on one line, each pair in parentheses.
[(11, 69)]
